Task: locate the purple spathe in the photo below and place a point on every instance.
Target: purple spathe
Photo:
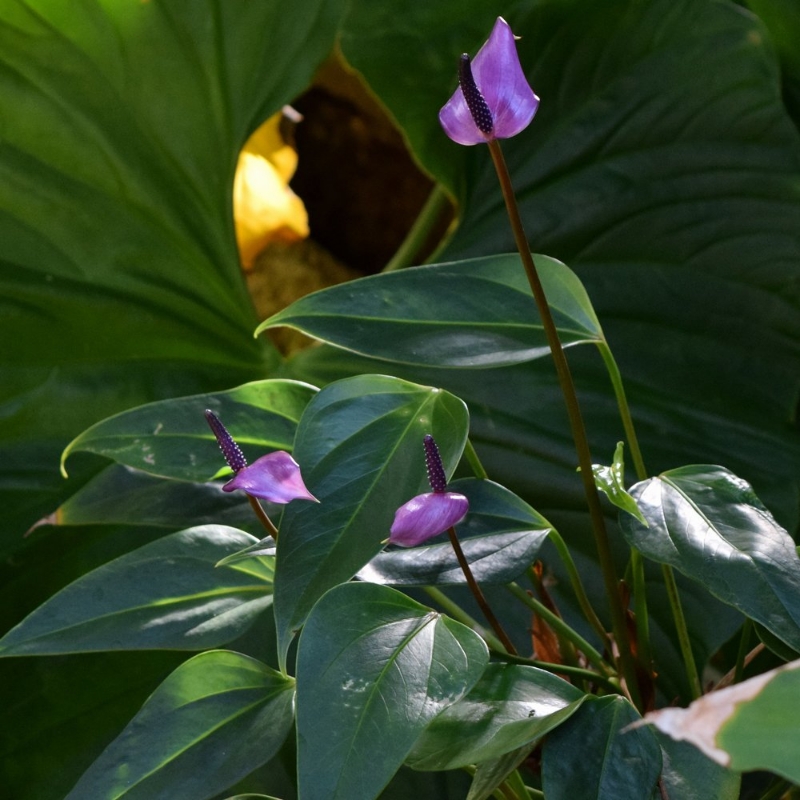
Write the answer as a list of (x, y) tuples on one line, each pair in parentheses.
[(500, 83), (275, 478), (426, 516)]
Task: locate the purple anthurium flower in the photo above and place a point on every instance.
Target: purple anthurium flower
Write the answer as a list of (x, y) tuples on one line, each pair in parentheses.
[(428, 515), (493, 99), (275, 477)]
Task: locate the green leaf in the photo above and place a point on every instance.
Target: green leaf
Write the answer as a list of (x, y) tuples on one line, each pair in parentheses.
[(477, 313), (752, 725), (689, 775), (611, 481), (709, 524), (500, 537), (165, 595), (593, 757), (124, 496), (215, 719), (512, 705), (171, 438), (392, 665), (360, 445), (490, 774)]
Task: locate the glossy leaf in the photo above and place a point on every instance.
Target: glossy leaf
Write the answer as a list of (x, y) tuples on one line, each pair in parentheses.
[(752, 725), (594, 757), (709, 524), (490, 774), (360, 445), (373, 669), (171, 438), (611, 481), (511, 706), (477, 313), (215, 719), (500, 537), (125, 496), (165, 595)]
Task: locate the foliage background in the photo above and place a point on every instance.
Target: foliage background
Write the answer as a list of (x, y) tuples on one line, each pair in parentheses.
[(663, 166)]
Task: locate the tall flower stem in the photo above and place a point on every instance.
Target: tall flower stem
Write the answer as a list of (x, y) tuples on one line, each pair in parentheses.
[(262, 516), (637, 566), (602, 542), (478, 594)]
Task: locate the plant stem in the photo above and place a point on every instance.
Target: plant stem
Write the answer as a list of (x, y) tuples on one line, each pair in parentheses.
[(558, 625), (636, 559), (618, 621), (478, 594), (643, 651), (682, 630), (263, 518), (517, 785), (577, 587), (474, 461), (742, 653), (728, 678), (564, 669), (458, 613), (427, 219)]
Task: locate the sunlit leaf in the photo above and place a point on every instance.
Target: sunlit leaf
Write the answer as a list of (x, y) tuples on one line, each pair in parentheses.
[(611, 481), (165, 595), (360, 446), (373, 669), (215, 719)]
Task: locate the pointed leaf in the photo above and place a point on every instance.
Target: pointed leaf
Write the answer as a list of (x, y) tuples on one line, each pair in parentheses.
[(165, 595), (611, 481), (360, 444), (511, 705), (124, 496), (752, 725), (215, 719), (171, 438), (709, 524), (415, 317), (500, 536), (593, 757), (373, 669)]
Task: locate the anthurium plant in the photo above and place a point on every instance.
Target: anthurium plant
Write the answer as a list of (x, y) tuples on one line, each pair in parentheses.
[(408, 560)]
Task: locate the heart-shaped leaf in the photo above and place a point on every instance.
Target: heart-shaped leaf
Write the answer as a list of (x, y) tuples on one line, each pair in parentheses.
[(709, 524), (360, 445), (213, 720), (166, 594), (500, 537), (594, 757), (477, 313), (171, 438), (512, 705), (373, 669)]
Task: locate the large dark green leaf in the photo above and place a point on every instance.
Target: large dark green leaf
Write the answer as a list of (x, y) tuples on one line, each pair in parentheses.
[(477, 313), (171, 438), (500, 537), (124, 496), (593, 757), (165, 595), (709, 524), (511, 705), (360, 445), (373, 669), (216, 718), (662, 168), (120, 277)]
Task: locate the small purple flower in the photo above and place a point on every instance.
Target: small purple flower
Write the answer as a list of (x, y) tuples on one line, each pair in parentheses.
[(493, 99), (275, 477), (428, 515)]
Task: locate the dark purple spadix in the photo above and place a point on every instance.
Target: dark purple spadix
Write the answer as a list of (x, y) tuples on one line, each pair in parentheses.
[(233, 455), (493, 99), (433, 463), (473, 97)]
